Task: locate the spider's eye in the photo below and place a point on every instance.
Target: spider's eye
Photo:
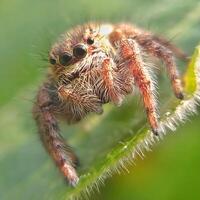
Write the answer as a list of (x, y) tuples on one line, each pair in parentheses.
[(80, 51), (52, 61), (65, 59), (90, 41)]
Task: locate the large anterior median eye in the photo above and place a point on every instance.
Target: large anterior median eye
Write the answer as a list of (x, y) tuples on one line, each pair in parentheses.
[(65, 58), (80, 51)]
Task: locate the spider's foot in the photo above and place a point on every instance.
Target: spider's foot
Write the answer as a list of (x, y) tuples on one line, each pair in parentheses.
[(70, 175), (180, 95), (155, 131), (73, 181)]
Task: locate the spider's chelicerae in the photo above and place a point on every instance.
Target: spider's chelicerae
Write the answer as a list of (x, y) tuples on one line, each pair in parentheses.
[(94, 64)]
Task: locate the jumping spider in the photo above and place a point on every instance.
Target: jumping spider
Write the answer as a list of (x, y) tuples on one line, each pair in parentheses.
[(94, 64)]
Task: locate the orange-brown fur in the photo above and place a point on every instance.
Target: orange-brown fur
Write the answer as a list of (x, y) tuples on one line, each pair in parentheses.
[(94, 64)]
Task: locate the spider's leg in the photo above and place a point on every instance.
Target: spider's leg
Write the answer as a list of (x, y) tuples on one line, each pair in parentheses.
[(51, 138), (179, 53), (130, 53), (160, 51)]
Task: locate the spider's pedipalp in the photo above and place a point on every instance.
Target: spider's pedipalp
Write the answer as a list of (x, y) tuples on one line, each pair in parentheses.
[(108, 76), (80, 99)]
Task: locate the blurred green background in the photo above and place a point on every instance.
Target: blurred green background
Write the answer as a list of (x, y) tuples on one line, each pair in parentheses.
[(27, 29)]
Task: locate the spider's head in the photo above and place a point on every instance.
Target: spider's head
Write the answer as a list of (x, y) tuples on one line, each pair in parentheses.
[(80, 49)]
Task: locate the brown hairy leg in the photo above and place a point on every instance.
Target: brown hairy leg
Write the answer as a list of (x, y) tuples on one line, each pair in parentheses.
[(130, 53), (179, 53), (155, 48), (51, 138)]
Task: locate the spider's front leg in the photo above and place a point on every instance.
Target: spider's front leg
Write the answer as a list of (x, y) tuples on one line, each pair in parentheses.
[(61, 153), (131, 57)]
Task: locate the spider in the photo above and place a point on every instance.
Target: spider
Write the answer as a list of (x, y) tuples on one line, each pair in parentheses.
[(94, 64)]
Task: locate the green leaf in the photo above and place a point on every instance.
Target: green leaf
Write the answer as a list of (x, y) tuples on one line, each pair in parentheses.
[(190, 77), (105, 144)]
